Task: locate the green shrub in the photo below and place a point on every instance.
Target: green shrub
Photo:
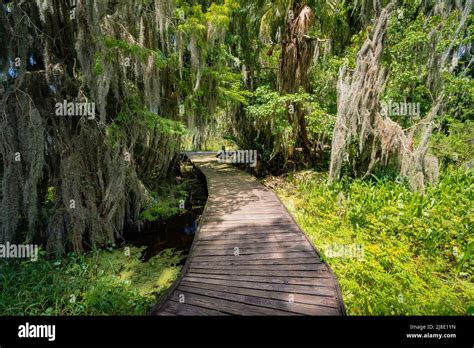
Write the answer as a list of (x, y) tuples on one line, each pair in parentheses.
[(417, 249), (98, 283), (456, 146)]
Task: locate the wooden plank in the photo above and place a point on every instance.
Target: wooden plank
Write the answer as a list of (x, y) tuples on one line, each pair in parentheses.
[(315, 267), (224, 306), (187, 309), (263, 236), (249, 241), (257, 243), (269, 204), (290, 307), (165, 314), (245, 198), (260, 208), (248, 231), (278, 255), (264, 272), (317, 281), (288, 261), (224, 227), (247, 224), (253, 244), (276, 295), (247, 215), (250, 210), (292, 289), (260, 219), (254, 228), (248, 235), (243, 250)]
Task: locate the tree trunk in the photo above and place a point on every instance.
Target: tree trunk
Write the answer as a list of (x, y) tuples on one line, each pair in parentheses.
[(296, 58)]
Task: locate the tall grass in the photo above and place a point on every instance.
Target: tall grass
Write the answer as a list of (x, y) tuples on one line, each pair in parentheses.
[(106, 282), (417, 249)]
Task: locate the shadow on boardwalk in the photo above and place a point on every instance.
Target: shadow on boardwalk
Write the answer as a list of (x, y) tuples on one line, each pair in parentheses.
[(249, 257)]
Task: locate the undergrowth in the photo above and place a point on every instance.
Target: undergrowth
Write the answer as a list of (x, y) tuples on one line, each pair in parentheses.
[(106, 282), (417, 250)]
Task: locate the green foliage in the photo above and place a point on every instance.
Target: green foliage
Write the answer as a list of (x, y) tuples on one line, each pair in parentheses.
[(459, 90), (356, 42), (267, 104), (417, 249), (98, 67), (134, 112), (135, 50), (230, 86), (164, 125), (203, 25), (319, 121), (406, 56), (165, 203), (324, 81), (207, 80), (456, 147), (98, 283), (229, 82), (195, 20), (218, 16), (408, 50)]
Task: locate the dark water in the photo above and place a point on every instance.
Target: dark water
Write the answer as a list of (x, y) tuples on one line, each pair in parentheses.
[(178, 231)]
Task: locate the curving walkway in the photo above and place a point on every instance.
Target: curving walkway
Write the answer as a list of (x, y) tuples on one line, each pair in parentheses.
[(249, 257)]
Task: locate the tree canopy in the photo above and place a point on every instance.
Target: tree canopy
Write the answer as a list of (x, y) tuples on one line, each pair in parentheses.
[(305, 83)]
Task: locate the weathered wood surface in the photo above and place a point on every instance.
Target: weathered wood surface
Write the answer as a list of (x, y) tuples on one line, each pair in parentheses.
[(249, 257)]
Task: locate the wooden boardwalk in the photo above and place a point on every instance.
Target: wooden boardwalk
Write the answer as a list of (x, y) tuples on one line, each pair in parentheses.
[(249, 257)]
